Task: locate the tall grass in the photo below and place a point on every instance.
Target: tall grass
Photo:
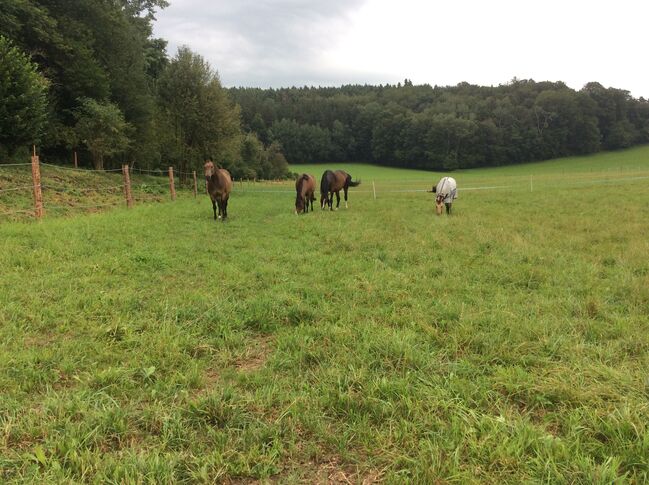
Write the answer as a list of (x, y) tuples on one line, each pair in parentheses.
[(508, 343)]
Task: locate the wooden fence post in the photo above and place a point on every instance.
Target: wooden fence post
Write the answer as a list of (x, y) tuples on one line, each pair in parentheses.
[(172, 187), (38, 193), (195, 184), (374, 189), (76, 163), (127, 186)]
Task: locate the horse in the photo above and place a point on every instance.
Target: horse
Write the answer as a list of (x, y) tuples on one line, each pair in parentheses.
[(219, 186), (446, 190), (305, 190), (331, 183)]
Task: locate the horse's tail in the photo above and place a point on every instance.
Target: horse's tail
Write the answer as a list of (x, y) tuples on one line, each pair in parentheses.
[(351, 183)]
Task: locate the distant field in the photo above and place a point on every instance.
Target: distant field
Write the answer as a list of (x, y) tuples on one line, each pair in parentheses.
[(506, 344), (625, 160)]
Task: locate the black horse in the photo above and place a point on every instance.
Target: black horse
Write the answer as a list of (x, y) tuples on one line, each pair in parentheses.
[(331, 183)]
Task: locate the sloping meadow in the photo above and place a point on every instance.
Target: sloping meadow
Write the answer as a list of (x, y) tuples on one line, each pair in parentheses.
[(507, 343)]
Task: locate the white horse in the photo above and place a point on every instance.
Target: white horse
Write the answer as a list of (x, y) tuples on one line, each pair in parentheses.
[(446, 190)]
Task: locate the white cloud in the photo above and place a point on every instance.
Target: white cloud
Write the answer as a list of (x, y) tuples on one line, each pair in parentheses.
[(296, 42)]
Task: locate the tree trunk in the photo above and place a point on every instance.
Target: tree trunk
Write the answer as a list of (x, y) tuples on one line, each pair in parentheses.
[(98, 160)]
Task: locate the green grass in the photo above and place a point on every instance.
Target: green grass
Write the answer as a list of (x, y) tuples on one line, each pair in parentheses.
[(506, 344)]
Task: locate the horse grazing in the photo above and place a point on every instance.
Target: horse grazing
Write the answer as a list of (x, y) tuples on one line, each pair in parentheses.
[(219, 186), (305, 190), (331, 183), (446, 190)]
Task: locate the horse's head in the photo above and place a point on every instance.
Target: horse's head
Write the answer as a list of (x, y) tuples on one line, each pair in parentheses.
[(439, 205), (299, 204), (209, 170)]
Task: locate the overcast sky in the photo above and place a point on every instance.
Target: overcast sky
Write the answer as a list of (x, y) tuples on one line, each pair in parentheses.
[(275, 43)]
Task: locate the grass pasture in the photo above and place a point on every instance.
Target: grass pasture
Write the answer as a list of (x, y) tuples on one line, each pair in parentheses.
[(506, 344)]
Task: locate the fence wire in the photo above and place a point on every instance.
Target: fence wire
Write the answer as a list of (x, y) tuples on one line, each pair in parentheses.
[(81, 169), (157, 181), (22, 187)]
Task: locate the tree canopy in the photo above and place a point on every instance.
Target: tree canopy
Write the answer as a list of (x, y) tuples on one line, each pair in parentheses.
[(23, 98), (114, 93), (444, 128), (60, 59), (101, 127)]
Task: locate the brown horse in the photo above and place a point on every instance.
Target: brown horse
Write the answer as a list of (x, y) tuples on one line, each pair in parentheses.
[(305, 190), (219, 186), (332, 183)]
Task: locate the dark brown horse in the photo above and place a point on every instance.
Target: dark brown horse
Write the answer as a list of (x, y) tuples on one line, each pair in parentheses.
[(219, 186), (332, 183), (305, 190)]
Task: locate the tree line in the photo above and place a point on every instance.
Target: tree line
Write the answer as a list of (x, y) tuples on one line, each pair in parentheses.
[(444, 128), (89, 76)]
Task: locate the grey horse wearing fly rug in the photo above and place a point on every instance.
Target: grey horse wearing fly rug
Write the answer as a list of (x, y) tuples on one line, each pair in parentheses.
[(446, 190)]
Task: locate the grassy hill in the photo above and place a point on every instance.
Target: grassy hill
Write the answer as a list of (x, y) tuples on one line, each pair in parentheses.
[(506, 344), (634, 161), (72, 192)]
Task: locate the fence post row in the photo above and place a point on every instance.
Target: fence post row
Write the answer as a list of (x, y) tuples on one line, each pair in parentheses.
[(195, 184), (127, 186), (172, 187), (38, 193)]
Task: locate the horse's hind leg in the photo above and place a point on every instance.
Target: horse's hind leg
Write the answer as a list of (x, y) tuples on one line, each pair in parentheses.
[(345, 190), (337, 199)]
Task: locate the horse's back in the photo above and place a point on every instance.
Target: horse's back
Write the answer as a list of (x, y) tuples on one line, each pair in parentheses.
[(227, 179), (310, 182), (447, 188), (447, 183), (226, 183), (307, 179), (340, 177)]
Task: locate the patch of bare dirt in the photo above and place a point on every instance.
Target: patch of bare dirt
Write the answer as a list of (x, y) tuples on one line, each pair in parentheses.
[(256, 355)]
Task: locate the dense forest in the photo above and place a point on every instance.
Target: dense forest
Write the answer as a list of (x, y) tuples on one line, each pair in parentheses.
[(89, 76), (444, 128)]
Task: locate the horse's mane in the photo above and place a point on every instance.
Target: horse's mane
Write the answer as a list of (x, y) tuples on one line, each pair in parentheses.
[(325, 182)]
